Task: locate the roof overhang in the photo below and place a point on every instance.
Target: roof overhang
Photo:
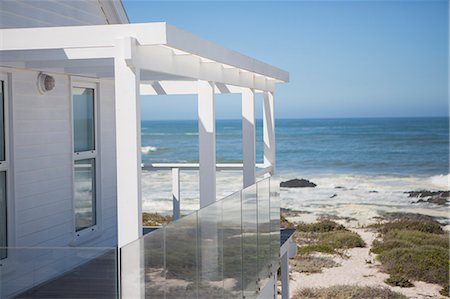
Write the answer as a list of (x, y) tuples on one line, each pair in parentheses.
[(162, 52), (114, 11)]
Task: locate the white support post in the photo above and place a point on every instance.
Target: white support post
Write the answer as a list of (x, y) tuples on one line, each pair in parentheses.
[(285, 276), (128, 159), (176, 193), (128, 143), (269, 131), (207, 142), (248, 137)]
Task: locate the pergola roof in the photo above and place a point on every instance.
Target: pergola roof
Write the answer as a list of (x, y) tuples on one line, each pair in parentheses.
[(161, 51)]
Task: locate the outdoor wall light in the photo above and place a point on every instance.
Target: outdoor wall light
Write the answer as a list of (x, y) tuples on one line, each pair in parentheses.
[(45, 83)]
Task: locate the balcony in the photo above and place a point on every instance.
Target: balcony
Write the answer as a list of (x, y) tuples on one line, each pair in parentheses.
[(228, 249)]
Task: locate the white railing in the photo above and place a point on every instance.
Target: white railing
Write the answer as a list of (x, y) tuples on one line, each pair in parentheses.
[(262, 170)]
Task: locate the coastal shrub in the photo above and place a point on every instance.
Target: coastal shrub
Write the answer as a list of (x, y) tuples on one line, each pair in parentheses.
[(343, 239), (312, 264), (330, 242), (348, 292), (408, 238), (425, 263), (320, 227), (426, 226), (398, 281), (415, 249), (445, 291)]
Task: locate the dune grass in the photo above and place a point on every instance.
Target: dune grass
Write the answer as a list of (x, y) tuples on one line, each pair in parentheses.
[(413, 250), (348, 292)]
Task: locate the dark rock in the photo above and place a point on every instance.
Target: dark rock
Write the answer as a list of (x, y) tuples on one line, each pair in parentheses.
[(426, 193), (292, 213), (435, 197), (296, 183), (373, 191), (333, 196), (393, 216)]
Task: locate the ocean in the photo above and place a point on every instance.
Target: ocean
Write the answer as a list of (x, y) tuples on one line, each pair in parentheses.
[(359, 162)]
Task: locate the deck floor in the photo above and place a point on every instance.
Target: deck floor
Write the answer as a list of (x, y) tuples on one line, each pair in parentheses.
[(95, 279)]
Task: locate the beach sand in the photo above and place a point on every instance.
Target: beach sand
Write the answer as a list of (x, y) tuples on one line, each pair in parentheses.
[(358, 267)]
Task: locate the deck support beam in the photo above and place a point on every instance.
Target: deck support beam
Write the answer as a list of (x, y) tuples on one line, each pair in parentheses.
[(285, 276), (269, 130), (207, 143), (248, 137), (128, 157)]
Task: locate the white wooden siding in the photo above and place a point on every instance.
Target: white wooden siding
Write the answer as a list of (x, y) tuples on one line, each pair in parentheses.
[(42, 170), (45, 13)]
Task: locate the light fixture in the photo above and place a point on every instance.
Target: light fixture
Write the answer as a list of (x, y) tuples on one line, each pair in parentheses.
[(45, 83)]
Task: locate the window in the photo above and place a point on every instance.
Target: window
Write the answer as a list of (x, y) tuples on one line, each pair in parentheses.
[(85, 155), (84, 193), (3, 175), (83, 119)]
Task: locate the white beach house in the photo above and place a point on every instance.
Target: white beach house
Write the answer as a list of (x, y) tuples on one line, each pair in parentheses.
[(71, 77)]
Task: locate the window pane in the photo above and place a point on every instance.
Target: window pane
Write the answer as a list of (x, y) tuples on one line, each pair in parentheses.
[(84, 194), (83, 119), (2, 122), (3, 218)]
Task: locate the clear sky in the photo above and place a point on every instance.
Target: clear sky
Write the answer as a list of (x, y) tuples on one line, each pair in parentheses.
[(345, 58)]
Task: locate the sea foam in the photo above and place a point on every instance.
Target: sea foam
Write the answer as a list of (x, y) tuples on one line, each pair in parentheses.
[(361, 197), (441, 181), (148, 149)]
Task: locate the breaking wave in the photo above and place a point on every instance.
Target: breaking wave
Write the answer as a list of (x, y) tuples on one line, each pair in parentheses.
[(148, 149)]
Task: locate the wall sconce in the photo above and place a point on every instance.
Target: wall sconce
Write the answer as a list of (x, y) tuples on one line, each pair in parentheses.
[(45, 83)]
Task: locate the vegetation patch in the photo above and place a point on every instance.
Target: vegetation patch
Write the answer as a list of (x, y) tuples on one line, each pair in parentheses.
[(325, 236), (322, 226), (426, 226), (312, 263), (445, 291), (155, 219), (336, 217), (348, 292), (399, 281), (414, 250)]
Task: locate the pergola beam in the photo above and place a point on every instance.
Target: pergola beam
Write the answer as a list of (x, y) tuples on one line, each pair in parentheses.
[(191, 66), (184, 88)]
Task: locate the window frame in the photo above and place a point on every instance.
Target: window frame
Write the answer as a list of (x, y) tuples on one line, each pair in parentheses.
[(5, 164), (87, 233)]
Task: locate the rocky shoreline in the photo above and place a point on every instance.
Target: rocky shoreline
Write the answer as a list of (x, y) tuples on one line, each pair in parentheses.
[(435, 197)]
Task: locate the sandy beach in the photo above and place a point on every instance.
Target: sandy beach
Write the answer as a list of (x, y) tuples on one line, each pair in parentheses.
[(358, 267)]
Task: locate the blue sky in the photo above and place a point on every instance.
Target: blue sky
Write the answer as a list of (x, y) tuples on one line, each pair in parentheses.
[(345, 58)]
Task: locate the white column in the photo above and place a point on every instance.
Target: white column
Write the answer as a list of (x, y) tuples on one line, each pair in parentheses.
[(285, 276), (128, 159), (248, 137), (207, 142), (269, 130), (128, 143), (176, 193)]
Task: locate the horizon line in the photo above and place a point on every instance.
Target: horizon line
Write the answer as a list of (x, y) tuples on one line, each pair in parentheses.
[(305, 118)]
